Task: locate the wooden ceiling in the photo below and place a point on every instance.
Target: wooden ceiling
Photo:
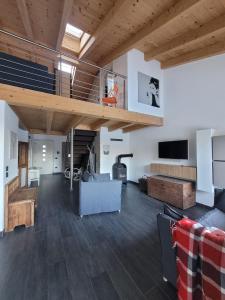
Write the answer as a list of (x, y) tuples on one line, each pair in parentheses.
[(173, 32)]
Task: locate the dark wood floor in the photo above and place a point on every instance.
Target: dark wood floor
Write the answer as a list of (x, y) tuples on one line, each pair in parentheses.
[(100, 257)]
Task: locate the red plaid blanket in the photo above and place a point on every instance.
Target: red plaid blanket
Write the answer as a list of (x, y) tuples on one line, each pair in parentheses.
[(200, 261)]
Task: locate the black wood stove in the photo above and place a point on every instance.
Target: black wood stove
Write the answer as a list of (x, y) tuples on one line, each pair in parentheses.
[(120, 169)]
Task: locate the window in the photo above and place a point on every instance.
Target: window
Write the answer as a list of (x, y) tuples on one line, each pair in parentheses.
[(65, 67), (74, 31)]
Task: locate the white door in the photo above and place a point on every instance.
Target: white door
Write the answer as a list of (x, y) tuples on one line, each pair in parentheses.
[(42, 156)]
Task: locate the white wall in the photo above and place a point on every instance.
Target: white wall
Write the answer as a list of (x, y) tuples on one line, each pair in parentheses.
[(194, 99), (23, 135), (8, 123), (2, 134), (11, 124), (135, 64), (116, 148)]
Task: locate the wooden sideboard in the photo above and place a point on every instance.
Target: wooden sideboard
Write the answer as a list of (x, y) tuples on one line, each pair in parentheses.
[(176, 171), (177, 192)]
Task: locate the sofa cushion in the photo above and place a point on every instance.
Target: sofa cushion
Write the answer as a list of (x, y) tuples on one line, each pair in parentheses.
[(214, 218), (101, 177), (220, 201)]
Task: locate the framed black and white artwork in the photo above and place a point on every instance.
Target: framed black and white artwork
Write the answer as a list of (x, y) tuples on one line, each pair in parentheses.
[(148, 90)]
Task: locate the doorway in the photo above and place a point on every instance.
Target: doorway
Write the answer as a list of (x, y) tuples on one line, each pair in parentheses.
[(42, 156), (23, 162)]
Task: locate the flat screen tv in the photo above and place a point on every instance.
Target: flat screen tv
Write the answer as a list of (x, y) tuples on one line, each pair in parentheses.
[(173, 149)]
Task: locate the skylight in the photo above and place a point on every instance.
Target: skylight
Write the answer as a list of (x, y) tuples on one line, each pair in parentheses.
[(74, 31), (65, 67)]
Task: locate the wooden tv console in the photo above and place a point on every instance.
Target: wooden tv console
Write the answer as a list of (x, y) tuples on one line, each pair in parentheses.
[(176, 171), (177, 192)]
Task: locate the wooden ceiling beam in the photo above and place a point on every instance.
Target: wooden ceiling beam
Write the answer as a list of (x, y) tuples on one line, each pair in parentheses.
[(49, 121), (67, 8), (118, 125), (98, 124), (207, 51), (176, 10), (102, 29), (74, 123), (84, 40), (215, 26), (133, 128), (24, 14)]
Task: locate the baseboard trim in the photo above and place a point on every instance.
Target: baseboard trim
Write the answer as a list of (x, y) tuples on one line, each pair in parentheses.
[(203, 205), (133, 182)]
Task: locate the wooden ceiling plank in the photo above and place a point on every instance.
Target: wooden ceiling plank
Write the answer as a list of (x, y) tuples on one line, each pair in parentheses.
[(74, 123), (133, 128), (98, 124), (215, 49), (67, 8), (102, 29), (49, 121), (22, 7), (204, 31), (41, 131), (179, 8), (38, 100), (119, 125), (24, 46)]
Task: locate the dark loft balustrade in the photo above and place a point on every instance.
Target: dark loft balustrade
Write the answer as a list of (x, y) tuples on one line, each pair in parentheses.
[(26, 74)]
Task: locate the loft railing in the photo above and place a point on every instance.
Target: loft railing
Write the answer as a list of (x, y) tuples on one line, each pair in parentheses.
[(64, 75)]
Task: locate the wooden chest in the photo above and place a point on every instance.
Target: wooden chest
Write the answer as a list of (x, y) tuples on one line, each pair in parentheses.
[(20, 213), (179, 193), (19, 205)]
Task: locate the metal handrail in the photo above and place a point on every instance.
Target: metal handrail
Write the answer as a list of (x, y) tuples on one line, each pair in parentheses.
[(60, 53), (8, 73), (79, 88), (27, 84), (85, 88), (53, 79), (86, 83)]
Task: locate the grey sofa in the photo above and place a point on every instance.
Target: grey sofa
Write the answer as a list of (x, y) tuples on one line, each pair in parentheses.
[(99, 194), (215, 217)]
